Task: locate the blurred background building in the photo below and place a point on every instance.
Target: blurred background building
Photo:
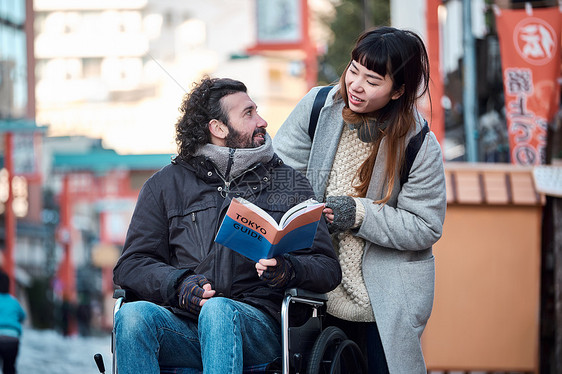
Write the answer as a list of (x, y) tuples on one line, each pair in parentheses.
[(20, 143), (90, 90), (117, 70)]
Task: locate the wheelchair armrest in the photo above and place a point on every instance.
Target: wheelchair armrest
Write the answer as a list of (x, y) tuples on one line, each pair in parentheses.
[(305, 294), (119, 292), (124, 294)]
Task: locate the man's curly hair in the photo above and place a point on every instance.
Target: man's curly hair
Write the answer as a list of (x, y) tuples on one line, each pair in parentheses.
[(199, 107)]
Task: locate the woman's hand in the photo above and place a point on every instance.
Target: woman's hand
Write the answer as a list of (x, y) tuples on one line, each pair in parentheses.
[(341, 215)]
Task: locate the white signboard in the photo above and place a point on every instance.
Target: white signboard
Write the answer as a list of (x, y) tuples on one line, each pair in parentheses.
[(279, 21)]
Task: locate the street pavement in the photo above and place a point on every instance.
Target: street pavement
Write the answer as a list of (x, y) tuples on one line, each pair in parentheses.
[(48, 352)]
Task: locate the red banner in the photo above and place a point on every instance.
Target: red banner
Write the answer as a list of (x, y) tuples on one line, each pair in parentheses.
[(530, 53)]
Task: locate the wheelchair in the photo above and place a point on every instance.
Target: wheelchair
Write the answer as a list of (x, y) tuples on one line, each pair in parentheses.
[(307, 348)]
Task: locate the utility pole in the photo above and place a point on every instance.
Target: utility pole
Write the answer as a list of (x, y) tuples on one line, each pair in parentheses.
[(367, 15), (545, 177), (470, 110)]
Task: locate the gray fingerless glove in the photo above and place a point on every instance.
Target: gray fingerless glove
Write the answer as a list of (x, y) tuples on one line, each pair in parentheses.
[(344, 212)]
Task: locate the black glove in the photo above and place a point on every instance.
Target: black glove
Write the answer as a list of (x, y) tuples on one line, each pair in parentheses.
[(279, 275), (344, 212), (190, 293)]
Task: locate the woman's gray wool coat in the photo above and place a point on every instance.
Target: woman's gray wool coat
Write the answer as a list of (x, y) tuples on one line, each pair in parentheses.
[(398, 263)]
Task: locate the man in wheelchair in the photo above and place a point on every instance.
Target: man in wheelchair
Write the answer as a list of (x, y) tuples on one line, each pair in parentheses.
[(202, 305)]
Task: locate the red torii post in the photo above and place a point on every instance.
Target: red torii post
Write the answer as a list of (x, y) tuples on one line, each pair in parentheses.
[(436, 84), (10, 217), (66, 272)]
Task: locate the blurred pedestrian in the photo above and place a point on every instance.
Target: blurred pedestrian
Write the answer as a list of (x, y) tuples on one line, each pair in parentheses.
[(11, 317), (384, 221), (84, 314)]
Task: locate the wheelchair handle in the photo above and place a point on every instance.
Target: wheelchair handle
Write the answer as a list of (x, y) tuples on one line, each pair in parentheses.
[(99, 362)]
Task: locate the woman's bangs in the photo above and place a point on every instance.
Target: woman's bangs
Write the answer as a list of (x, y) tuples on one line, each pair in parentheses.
[(373, 57)]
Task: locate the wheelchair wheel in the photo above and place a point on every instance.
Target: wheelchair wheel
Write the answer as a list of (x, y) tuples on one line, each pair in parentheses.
[(348, 359), (333, 352)]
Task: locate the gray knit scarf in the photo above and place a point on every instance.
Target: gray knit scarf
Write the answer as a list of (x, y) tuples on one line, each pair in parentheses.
[(242, 158), (370, 131)]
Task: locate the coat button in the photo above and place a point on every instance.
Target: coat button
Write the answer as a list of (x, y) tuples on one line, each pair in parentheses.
[(209, 173), (220, 294), (219, 188)]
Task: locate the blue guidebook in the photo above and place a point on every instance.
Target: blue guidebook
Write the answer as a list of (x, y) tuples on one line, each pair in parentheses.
[(252, 232)]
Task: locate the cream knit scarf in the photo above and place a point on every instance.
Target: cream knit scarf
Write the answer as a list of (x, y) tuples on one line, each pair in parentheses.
[(349, 301)]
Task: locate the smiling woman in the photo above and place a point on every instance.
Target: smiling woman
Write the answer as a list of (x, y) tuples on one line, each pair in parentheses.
[(379, 223)]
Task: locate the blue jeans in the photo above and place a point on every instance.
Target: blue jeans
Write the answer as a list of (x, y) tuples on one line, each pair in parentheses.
[(228, 336)]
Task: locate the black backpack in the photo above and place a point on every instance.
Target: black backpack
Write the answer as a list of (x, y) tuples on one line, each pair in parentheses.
[(411, 150)]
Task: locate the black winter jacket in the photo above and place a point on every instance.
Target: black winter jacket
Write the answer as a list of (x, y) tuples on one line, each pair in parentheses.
[(172, 231)]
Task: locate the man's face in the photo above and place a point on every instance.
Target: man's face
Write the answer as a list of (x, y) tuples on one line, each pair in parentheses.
[(246, 129)]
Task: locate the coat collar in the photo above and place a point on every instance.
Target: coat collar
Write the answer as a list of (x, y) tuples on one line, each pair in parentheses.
[(325, 143)]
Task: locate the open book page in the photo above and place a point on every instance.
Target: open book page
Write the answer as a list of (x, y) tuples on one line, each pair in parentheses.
[(251, 209), (299, 209)]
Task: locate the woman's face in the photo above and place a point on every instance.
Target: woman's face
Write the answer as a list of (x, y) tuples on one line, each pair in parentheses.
[(367, 91)]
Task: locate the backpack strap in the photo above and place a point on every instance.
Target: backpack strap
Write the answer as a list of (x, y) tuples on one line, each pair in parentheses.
[(412, 149), (319, 102)]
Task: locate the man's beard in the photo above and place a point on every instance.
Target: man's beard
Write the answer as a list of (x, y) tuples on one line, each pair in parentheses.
[(235, 139)]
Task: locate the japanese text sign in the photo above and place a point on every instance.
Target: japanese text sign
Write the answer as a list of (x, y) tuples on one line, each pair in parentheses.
[(530, 53)]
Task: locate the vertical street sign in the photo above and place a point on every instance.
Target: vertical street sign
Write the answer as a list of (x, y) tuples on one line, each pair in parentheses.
[(530, 52)]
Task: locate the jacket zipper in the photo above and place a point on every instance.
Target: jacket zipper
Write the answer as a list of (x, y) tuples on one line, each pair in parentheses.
[(199, 236), (224, 194), (226, 180), (231, 152)]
